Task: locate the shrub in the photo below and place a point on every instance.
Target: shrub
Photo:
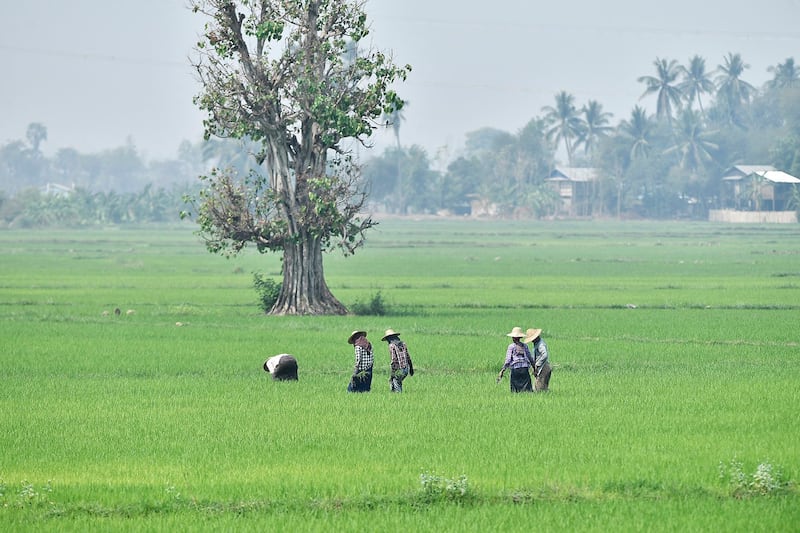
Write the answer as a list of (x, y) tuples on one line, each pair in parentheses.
[(436, 487), (376, 306), (268, 290), (766, 480)]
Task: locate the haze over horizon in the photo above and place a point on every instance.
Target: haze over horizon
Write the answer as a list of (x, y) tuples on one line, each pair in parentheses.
[(97, 77)]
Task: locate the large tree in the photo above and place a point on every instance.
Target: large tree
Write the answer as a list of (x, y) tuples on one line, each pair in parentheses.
[(596, 125), (732, 91), (289, 76), (693, 144), (696, 81), (639, 133), (564, 123), (786, 75), (664, 85)]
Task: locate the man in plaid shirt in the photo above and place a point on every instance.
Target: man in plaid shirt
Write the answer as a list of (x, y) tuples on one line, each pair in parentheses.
[(400, 360), (361, 381)]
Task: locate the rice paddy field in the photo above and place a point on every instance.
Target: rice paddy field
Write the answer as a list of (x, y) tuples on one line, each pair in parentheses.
[(674, 401)]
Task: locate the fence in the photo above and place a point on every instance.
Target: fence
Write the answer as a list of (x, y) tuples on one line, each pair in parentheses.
[(752, 217)]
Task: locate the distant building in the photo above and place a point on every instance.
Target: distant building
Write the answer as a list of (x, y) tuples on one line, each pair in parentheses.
[(56, 189), (575, 187), (757, 188)]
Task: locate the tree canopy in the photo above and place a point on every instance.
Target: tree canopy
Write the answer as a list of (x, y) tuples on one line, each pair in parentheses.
[(291, 77)]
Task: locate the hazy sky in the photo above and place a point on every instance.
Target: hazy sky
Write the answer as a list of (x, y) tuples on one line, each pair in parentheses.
[(98, 72)]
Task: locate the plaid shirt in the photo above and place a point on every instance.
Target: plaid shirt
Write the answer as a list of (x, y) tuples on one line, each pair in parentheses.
[(400, 357), (518, 356), (364, 360)]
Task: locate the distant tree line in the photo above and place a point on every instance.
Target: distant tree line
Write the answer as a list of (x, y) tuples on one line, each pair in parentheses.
[(116, 186), (663, 165), (660, 165)]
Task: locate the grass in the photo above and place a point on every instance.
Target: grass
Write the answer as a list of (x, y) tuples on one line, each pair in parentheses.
[(674, 345)]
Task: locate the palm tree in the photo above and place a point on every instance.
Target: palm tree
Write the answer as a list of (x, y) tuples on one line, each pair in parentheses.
[(395, 119), (732, 91), (696, 81), (231, 153), (786, 75), (564, 123), (595, 125), (36, 134), (693, 143), (639, 130), (663, 84)]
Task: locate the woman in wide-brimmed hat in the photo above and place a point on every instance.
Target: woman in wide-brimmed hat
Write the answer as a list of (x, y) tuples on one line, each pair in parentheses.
[(361, 381), (401, 365), (541, 359), (519, 360)]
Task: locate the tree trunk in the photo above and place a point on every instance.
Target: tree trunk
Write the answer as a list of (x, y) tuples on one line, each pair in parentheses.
[(304, 291)]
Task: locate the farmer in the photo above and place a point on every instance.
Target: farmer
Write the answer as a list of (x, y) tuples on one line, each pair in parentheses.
[(541, 359), (518, 358), (401, 365), (282, 367), (361, 381)]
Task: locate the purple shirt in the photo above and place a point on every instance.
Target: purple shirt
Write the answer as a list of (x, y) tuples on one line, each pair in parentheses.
[(518, 356)]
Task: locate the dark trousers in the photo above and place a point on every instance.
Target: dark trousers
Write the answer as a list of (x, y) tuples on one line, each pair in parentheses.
[(396, 379), (361, 382), (520, 380)]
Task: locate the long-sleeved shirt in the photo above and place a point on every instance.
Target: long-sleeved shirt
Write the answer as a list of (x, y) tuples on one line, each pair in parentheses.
[(364, 359), (540, 355), (518, 356), (399, 354)]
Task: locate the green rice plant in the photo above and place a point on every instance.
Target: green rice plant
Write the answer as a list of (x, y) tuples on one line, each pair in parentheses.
[(666, 340)]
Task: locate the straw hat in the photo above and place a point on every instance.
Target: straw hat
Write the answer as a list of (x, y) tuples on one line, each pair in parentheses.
[(352, 338), (389, 333), (516, 333), (532, 334)]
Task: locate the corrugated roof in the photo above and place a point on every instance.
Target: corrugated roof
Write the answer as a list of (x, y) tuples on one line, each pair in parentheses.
[(768, 172), (574, 173), (778, 176), (752, 169)]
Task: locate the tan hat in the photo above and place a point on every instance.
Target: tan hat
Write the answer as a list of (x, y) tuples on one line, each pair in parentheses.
[(532, 334), (516, 333), (389, 333), (352, 338)]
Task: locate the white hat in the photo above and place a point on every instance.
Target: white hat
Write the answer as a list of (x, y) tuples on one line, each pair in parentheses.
[(389, 333), (516, 333)]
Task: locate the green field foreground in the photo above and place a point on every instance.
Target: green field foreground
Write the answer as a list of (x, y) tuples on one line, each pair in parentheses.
[(674, 401)]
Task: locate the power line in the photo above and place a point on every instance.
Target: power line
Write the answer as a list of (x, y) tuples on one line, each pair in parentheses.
[(614, 30), (93, 56)]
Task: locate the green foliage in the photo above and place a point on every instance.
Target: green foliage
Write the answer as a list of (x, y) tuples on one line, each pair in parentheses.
[(766, 480), (376, 306), (27, 496), (435, 487), (270, 30), (316, 89), (268, 291), (83, 208)]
